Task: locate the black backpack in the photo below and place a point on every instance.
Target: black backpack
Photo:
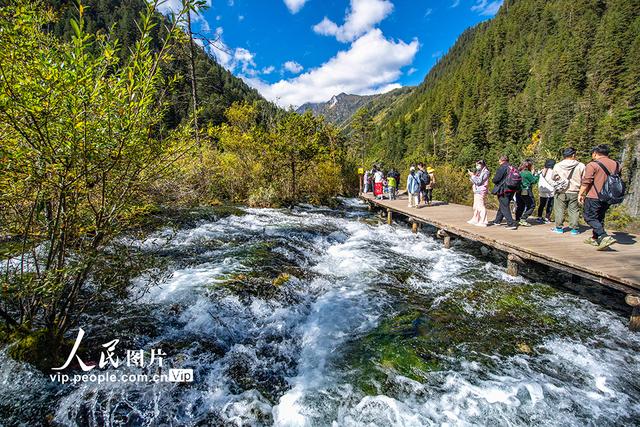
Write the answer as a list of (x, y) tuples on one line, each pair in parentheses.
[(425, 179), (513, 180), (612, 191)]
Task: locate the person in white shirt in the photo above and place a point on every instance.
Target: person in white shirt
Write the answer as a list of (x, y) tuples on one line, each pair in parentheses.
[(567, 177), (378, 184), (546, 191)]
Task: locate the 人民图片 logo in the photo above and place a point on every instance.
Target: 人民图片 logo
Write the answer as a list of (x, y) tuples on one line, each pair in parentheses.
[(151, 362)]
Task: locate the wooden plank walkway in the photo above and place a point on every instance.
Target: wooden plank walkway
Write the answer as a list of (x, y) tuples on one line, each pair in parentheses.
[(618, 267)]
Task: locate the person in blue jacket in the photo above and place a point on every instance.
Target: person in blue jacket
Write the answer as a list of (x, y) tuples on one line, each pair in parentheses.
[(413, 188)]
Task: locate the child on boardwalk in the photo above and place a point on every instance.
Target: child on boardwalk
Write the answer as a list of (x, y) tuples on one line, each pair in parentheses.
[(391, 185)]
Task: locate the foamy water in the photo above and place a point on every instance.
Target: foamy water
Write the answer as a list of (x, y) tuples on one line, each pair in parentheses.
[(284, 358)]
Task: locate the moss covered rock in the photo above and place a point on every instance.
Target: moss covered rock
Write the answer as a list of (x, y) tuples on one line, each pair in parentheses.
[(38, 348), (472, 324)]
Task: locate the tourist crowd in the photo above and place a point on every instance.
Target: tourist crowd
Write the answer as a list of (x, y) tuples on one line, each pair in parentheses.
[(564, 188)]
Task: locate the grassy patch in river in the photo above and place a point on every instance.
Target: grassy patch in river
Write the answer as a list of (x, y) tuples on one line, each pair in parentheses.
[(267, 275), (480, 324)]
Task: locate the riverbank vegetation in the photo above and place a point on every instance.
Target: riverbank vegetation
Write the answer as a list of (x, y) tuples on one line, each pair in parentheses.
[(263, 163), (93, 141)]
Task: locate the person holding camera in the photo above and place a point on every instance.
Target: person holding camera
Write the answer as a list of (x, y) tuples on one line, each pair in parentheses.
[(480, 180)]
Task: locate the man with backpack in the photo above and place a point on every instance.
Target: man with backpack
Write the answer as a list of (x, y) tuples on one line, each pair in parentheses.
[(601, 187), (424, 179), (506, 182), (567, 177)]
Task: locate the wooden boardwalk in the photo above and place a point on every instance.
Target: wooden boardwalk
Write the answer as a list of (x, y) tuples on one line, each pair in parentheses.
[(618, 267)]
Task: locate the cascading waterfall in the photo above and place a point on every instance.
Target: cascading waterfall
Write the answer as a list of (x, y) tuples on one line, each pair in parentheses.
[(318, 316)]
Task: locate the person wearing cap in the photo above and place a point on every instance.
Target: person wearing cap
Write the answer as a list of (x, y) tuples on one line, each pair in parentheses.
[(413, 188), (567, 178), (429, 187), (592, 183)]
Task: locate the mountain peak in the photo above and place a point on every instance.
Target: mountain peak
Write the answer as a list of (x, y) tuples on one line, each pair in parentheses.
[(341, 107)]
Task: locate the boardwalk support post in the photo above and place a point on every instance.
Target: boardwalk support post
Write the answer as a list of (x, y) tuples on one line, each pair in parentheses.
[(513, 265), (446, 237), (634, 301), (389, 216), (414, 225)]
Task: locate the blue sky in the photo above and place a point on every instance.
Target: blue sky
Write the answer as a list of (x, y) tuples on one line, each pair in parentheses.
[(297, 51)]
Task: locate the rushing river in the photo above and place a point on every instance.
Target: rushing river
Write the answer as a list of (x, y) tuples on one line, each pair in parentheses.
[(325, 317)]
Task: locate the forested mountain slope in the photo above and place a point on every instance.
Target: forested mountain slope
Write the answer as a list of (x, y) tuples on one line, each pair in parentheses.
[(540, 75), (217, 87)]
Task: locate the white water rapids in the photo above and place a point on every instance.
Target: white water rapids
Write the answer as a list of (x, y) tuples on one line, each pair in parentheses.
[(285, 358)]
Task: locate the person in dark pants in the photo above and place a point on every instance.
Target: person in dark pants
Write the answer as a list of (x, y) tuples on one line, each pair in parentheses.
[(504, 195), (546, 191), (592, 183), (525, 203)]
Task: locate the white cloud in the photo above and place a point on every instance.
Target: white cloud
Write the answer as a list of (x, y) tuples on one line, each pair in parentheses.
[(428, 12), (486, 7), (372, 64), (362, 16), (175, 6), (293, 67), (244, 59), (240, 18), (411, 71), (294, 6), (268, 70), (170, 6), (233, 59), (455, 3)]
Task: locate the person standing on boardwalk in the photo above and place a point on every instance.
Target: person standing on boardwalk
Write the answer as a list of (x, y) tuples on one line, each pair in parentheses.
[(367, 181), (525, 203), (423, 179), (396, 176), (378, 184), (429, 187), (391, 185), (567, 177), (601, 187), (546, 191), (413, 188), (505, 182), (480, 180)]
